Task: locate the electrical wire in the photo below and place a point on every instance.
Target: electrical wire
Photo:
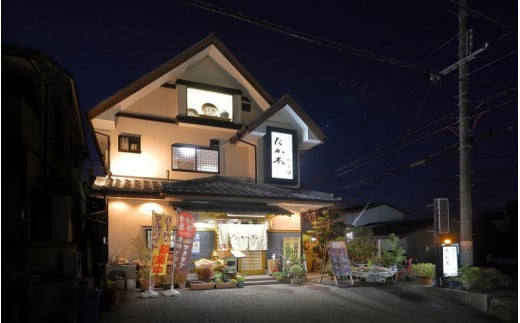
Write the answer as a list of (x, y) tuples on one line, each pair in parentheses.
[(479, 14), (361, 162), (450, 150), (493, 62), (335, 45)]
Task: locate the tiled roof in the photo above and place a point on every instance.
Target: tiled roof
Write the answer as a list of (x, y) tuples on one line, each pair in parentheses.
[(215, 186), (232, 187), (122, 185)]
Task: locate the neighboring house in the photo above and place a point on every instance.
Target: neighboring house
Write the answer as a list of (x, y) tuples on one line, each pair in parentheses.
[(199, 134), (416, 236), (43, 201), (371, 213)]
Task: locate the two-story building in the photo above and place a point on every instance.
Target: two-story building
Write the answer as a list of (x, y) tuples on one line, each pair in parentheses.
[(45, 229), (200, 135)]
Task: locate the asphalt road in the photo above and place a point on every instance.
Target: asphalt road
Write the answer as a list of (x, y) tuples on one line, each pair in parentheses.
[(310, 302)]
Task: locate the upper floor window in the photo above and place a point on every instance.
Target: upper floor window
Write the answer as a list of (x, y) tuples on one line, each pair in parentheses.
[(209, 104), (195, 159), (129, 143)]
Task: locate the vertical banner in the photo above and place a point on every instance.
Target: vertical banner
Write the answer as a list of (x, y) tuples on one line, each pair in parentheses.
[(161, 236), (183, 245)]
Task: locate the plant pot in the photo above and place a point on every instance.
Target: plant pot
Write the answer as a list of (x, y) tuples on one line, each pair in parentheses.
[(453, 284), (426, 280), (225, 285)]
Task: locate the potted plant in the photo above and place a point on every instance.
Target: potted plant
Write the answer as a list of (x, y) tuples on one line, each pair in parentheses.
[(297, 273), (241, 279), (394, 255), (470, 276), (140, 250), (425, 271), (278, 275)]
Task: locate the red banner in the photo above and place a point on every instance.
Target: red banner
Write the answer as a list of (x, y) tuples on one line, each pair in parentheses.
[(186, 226), (184, 242)]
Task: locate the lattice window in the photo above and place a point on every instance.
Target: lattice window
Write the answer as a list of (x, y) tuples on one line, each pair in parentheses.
[(195, 159)]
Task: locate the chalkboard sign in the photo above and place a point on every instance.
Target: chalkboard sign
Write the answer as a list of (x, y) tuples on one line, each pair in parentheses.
[(339, 258)]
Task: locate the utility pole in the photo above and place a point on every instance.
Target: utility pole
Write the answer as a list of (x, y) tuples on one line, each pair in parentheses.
[(466, 236), (465, 56)]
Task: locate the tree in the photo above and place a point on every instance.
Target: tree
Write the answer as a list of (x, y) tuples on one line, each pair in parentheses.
[(361, 245)]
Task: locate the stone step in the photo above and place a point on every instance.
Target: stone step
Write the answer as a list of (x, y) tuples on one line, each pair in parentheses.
[(260, 280)]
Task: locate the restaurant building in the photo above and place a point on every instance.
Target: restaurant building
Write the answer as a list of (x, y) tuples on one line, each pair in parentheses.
[(199, 136)]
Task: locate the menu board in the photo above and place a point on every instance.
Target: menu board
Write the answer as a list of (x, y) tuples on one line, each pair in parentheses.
[(337, 251)]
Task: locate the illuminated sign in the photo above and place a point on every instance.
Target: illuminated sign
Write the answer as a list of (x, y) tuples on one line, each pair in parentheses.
[(280, 161), (450, 265)]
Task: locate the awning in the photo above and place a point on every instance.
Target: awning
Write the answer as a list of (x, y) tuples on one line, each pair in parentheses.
[(234, 208)]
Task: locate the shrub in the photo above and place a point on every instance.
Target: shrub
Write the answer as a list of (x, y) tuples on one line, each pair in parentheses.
[(424, 269)]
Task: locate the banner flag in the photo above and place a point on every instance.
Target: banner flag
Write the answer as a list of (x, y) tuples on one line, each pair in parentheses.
[(161, 233), (183, 244)]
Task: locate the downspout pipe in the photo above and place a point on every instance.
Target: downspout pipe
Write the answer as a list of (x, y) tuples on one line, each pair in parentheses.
[(256, 163)]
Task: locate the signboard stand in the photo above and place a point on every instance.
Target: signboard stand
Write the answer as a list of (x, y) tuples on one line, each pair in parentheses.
[(336, 252)]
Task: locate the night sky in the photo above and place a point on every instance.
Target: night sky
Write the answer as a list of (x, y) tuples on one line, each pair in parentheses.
[(361, 69)]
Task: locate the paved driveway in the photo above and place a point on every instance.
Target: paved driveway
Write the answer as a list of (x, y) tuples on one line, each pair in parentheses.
[(310, 302)]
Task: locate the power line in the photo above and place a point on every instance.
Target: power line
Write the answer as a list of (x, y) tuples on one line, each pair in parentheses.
[(479, 14), (386, 108), (452, 149), (493, 62), (331, 44), (362, 161)]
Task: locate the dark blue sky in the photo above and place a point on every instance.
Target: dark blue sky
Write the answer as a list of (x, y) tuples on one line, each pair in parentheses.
[(379, 117)]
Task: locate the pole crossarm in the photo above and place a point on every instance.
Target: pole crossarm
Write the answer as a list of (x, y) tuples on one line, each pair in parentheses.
[(454, 66)]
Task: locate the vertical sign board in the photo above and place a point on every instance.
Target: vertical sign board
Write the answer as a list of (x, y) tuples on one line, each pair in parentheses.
[(337, 251), (442, 211), (280, 160), (450, 257)]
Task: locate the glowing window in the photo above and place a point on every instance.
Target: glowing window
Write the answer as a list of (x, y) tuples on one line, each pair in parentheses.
[(209, 104), (195, 159), (129, 143)]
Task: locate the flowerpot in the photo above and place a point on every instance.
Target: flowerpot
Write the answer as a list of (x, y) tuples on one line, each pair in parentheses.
[(201, 285), (240, 284), (426, 280), (453, 284), (225, 285)]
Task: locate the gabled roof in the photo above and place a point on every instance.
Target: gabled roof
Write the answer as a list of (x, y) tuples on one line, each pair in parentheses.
[(208, 187), (285, 101), (358, 208), (41, 63), (176, 61)]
